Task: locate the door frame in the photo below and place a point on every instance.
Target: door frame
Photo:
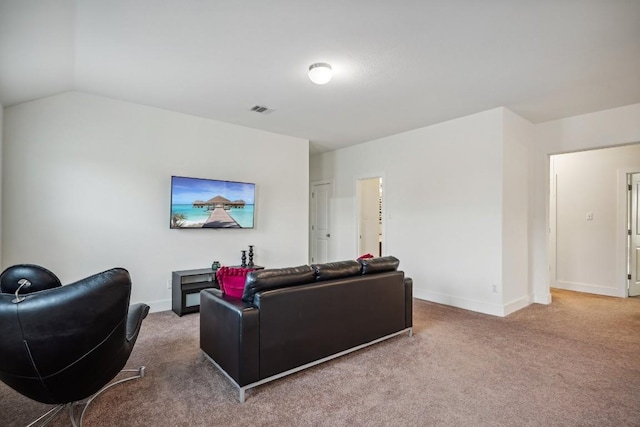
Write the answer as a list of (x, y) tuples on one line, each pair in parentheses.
[(623, 252), (380, 175), (553, 223), (312, 184), (378, 196)]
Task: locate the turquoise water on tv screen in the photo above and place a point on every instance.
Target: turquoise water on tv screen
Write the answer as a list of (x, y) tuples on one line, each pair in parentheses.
[(194, 216), (243, 216)]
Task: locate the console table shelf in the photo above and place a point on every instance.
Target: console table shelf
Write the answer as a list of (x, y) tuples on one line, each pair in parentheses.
[(186, 286)]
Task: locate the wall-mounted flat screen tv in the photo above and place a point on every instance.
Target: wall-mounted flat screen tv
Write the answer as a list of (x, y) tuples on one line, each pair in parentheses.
[(210, 203)]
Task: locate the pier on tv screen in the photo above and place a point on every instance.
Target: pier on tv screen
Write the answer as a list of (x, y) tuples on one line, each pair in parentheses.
[(211, 203)]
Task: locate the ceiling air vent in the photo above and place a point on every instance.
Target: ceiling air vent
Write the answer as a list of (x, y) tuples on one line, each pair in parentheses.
[(262, 109)]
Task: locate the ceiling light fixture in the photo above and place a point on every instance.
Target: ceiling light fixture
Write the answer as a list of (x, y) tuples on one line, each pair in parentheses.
[(320, 73)]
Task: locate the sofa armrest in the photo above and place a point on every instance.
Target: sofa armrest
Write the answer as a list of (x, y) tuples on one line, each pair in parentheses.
[(408, 302), (230, 335)]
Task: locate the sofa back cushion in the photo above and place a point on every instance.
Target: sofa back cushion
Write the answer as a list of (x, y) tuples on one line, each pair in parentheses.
[(275, 278), (336, 270), (301, 324), (379, 265)]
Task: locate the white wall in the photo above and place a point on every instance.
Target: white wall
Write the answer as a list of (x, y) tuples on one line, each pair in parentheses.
[(586, 250), (467, 201), (443, 206), (87, 185), (602, 129)]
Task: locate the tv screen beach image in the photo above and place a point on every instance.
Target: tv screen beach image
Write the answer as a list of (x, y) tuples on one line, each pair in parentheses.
[(209, 203)]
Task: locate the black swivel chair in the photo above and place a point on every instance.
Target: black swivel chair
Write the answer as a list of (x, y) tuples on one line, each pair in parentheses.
[(62, 345)]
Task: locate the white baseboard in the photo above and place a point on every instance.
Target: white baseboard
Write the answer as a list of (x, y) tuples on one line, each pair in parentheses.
[(588, 288), (517, 304), (465, 303), (542, 299), (500, 310)]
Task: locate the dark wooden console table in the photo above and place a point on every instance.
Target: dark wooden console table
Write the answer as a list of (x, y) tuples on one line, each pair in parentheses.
[(187, 284)]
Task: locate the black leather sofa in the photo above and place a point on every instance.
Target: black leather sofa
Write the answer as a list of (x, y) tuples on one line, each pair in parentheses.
[(292, 318)]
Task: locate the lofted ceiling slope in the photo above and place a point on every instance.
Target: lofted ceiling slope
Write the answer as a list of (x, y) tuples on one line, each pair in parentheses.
[(398, 65)]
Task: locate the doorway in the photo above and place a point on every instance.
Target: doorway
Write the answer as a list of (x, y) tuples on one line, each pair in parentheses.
[(320, 238), (370, 239), (594, 245)]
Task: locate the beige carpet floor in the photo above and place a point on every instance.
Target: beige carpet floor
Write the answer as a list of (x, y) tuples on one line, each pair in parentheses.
[(575, 362)]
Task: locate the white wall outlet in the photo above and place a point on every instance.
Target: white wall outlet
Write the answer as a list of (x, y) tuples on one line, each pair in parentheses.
[(589, 216), (494, 289), (168, 283)]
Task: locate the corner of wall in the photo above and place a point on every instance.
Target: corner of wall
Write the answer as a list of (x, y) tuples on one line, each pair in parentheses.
[(516, 148)]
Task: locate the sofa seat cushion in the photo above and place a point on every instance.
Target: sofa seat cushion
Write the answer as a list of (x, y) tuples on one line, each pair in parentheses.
[(275, 278), (336, 270), (379, 265)]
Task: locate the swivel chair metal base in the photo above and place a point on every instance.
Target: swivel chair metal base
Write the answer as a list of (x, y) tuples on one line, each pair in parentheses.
[(76, 420)]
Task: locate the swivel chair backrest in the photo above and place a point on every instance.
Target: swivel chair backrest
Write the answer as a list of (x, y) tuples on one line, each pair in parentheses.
[(39, 279), (63, 344)]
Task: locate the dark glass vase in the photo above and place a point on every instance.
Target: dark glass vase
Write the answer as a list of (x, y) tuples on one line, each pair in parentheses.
[(250, 255)]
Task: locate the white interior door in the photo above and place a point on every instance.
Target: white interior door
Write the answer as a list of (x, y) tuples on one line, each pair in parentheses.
[(634, 240), (321, 194), (369, 227)]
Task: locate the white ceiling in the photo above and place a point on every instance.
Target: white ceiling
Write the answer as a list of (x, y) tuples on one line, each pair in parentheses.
[(399, 65)]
